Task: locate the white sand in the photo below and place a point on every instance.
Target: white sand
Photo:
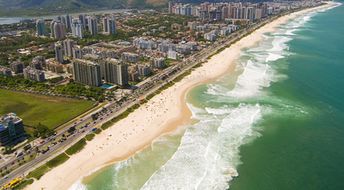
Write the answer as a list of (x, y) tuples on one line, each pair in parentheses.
[(161, 114)]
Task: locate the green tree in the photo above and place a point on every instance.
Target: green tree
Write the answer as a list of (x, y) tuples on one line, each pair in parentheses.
[(42, 131)]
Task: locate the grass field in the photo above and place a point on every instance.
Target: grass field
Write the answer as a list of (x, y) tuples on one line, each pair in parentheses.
[(47, 110)]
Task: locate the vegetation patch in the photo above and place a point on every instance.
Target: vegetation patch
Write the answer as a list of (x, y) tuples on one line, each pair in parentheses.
[(39, 172), (76, 147), (97, 131), (90, 136), (60, 159)]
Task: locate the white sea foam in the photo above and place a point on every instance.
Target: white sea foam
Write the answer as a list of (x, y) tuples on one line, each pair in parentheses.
[(279, 48), (78, 186), (196, 113), (209, 151), (257, 72), (254, 77)]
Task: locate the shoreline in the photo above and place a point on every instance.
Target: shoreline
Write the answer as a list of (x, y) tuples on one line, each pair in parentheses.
[(160, 115)]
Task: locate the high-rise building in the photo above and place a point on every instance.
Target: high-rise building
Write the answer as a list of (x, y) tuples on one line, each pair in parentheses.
[(258, 14), (251, 11), (83, 22), (113, 71), (40, 27), (170, 4), (122, 74), (68, 47), (264, 10), (225, 12), (59, 31), (59, 52), (11, 129), (77, 28), (105, 25), (62, 19), (86, 72), (111, 25), (68, 22), (52, 31), (92, 25)]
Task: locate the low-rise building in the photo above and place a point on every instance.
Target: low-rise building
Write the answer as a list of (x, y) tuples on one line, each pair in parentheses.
[(192, 25), (133, 74), (77, 52), (5, 71), (54, 67), (165, 46), (224, 31), (38, 62), (142, 43), (34, 74), (130, 57), (172, 54), (183, 49), (210, 36), (159, 63), (144, 70), (17, 67)]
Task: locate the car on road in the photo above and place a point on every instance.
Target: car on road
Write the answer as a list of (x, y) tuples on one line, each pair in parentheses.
[(20, 154)]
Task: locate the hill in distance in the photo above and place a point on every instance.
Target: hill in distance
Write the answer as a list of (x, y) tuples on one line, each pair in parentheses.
[(48, 7), (17, 8)]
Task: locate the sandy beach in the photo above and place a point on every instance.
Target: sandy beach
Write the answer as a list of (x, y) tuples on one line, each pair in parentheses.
[(160, 115)]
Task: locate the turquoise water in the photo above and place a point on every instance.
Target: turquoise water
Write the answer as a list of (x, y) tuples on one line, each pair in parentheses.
[(106, 86), (303, 152), (276, 123)]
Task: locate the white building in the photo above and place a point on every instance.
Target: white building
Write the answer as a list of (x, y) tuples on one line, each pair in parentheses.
[(77, 28)]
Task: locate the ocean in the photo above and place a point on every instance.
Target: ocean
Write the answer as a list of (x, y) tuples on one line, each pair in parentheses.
[(277, 122)]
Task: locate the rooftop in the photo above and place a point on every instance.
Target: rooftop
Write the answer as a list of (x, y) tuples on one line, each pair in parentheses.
[(10, 117)]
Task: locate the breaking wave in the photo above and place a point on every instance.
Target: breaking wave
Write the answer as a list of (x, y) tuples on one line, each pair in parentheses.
[(209, 150)]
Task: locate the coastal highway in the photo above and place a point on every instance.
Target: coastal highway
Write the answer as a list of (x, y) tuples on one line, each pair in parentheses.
[(113, 109)]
